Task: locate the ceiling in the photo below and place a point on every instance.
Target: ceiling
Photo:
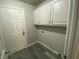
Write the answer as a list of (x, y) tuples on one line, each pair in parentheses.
[(33, 2)]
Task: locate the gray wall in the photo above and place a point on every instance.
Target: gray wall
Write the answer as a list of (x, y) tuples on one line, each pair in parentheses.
[(53, 37)]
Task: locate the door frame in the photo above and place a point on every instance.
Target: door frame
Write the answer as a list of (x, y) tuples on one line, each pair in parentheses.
[(70, 33), (75, 47)]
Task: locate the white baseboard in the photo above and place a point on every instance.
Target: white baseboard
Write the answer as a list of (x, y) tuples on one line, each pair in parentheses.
[(32, 44), (53, 51), (14, 50)]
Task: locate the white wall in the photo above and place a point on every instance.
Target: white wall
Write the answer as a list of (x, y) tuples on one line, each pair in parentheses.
[(53, 37), (31, 29)]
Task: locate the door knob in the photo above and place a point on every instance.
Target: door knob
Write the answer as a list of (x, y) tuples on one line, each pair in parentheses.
[(23, 33)]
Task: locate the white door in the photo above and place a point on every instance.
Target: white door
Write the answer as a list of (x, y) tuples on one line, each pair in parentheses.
[(45, 14), (12, 22), (36, 16), (60, 12)]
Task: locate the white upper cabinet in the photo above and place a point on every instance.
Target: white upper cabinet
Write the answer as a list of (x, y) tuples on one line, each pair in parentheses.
[(60, 12), (54, 13), (36, 16), (45, 14)]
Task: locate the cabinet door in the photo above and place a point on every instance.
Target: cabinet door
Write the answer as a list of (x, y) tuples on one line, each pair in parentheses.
[(45, 14), (36, 16), (60, 12)]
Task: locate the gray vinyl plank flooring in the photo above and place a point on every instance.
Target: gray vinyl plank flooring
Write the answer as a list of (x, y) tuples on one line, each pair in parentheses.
[(34, 52)]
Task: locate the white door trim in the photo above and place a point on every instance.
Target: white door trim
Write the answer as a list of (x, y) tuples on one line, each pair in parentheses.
[(71, 28)]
